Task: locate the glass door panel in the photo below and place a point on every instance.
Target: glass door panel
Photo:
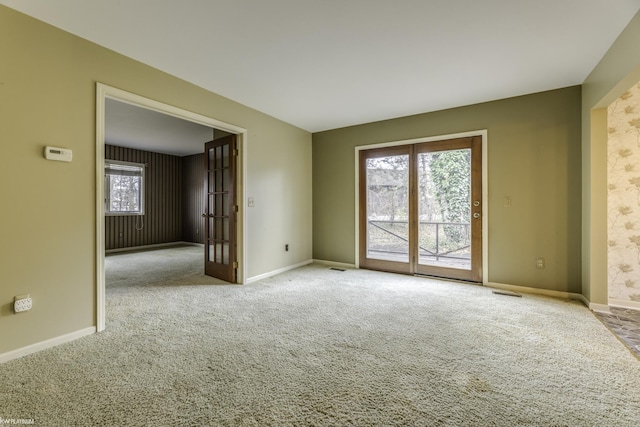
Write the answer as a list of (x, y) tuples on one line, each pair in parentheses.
[(444, 208), (388, 208), (449, 208), (385, 235)]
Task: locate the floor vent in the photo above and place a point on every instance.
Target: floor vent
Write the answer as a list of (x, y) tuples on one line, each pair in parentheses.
[(337, 269), (508, 293)]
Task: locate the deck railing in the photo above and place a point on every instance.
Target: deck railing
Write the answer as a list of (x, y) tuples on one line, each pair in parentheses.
[(449, 240)]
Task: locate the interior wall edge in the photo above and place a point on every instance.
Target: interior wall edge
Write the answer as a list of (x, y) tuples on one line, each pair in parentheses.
[(617, 70)]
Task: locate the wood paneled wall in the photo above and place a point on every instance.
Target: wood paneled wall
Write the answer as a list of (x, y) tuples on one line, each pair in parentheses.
[(193, 195), (163, 202)]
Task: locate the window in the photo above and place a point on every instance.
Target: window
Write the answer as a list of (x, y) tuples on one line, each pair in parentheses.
[(124, 188)]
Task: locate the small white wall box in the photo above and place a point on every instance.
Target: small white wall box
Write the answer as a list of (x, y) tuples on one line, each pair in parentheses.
[(22, 303), (57, 153)]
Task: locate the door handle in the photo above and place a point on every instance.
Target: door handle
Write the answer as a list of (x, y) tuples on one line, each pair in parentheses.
[(204, 215)]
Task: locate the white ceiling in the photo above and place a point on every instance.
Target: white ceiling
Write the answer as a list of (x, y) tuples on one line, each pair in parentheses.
[(326, 64), (129, 126)]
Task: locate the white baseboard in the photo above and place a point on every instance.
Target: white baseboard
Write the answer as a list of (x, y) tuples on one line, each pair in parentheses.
[(334, 264), (599, 308), (618, 303), (583, 300), (149, 247), (278, 271), (537, 291), (633, 305), (33, 348)]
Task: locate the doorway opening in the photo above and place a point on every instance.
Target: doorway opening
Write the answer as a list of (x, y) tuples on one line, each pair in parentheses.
[(422, 207), (107, 94), (623, 198)]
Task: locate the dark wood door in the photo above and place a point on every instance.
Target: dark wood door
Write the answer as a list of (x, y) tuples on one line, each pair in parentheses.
[(421, 209), (221, 208)]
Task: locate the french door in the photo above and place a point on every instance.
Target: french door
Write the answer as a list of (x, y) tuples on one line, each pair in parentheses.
[(421, 209), (220, 252)]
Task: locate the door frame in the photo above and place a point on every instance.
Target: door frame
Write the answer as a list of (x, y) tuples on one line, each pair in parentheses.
[(104, 92), (485, 188)]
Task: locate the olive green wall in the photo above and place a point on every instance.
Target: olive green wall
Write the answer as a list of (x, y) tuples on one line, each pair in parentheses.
[(47, 233), (618, 70), (533, 158)]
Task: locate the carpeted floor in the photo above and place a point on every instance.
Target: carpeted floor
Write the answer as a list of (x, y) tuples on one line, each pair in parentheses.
[(319, 347), (172, 266)]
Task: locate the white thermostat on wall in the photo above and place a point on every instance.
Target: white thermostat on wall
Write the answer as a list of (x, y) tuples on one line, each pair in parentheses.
[(57, 153)]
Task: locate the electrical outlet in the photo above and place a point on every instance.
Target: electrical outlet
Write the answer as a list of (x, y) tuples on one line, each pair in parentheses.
[(286, 247), (22, 303), (507, 202), (540, 262)]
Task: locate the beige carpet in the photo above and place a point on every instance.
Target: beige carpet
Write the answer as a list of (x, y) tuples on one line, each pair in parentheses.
[(320, 347)]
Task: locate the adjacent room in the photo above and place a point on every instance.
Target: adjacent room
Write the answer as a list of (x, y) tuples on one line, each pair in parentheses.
[(155, 193), (156, 188), (319, 213)]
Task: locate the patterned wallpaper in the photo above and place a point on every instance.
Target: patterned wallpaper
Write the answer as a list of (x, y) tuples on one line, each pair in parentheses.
[(624, 196)]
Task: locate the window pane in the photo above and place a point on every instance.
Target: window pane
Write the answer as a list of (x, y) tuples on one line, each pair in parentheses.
[(124, 192), (444, 208), (124, 183)]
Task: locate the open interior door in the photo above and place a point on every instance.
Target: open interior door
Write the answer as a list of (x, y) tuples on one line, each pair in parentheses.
[(221, 209)]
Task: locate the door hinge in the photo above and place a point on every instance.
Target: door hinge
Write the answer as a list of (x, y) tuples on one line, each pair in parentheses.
[(235, 151), (235, 208), (235, 264)]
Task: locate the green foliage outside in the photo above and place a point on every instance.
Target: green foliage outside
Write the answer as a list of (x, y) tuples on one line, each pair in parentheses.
[(450, 174)]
